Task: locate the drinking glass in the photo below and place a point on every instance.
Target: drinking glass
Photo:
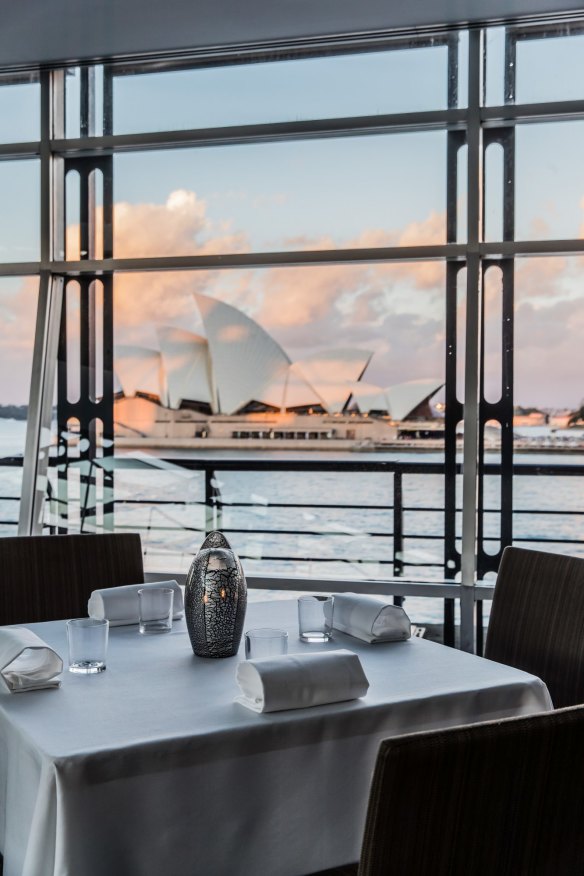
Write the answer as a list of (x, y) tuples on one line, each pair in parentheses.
[(87, 638), (265, 643), (156, 607), (315, 618)]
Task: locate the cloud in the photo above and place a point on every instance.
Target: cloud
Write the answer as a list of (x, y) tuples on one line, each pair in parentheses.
[(18, 299), (395, 308), (178, 227), (548, 354)]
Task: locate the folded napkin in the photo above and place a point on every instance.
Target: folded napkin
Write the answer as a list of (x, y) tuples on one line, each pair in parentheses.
[(26, 662), (121, 605), (294, 681), (370, 618)]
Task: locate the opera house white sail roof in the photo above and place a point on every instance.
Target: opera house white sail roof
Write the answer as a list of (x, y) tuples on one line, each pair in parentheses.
[(238, 367)]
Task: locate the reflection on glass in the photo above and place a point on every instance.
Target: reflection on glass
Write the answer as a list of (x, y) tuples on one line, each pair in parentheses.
[(343, 192), (18, 300), (369, 83), (19, 217)]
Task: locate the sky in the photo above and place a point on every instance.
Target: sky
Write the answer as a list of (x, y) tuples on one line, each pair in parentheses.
[(386, 190)]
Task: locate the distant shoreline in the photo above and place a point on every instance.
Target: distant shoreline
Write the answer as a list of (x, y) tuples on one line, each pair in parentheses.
[(422, 445)]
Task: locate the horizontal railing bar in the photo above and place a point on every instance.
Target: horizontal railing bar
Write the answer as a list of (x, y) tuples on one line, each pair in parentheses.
[(547, 513), (395, 587), (389, 466), (227, 504), (321, 506), (356, 561), (441, 589), (546, 540)]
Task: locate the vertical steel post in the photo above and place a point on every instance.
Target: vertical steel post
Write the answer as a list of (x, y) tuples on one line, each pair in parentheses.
[(473, 326), (38, 426), (96, 480)]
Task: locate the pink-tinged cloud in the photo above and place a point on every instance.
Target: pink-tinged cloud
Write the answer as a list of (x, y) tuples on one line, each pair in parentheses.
[(178, 227), (17, 325), (396, 309), (549, 357)]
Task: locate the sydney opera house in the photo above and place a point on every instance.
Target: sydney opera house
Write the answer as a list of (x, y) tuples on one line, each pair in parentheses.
[(238, 384)]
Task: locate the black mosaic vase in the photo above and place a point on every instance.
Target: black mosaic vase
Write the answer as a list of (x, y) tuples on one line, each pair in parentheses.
[(215, 599)]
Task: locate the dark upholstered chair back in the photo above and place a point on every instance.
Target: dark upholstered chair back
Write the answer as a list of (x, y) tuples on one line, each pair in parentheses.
[(498, 799), (537, 620), (49, 577)]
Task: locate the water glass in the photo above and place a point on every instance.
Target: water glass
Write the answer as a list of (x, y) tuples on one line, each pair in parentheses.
[(315, 618), (265, 643), (156, 609), (87, 638)]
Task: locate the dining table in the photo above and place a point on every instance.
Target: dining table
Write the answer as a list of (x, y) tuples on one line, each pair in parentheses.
[(151, 769)]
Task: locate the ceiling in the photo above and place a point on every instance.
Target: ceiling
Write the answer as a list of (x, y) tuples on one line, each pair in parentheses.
[(49, 31)]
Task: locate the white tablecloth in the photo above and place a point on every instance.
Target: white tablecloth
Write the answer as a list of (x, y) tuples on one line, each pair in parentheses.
[(150, 768)]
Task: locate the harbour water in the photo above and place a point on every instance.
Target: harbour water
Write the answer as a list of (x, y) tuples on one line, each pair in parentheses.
[(336, 525)]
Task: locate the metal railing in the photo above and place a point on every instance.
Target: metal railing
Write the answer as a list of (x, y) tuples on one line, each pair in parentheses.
[(399, 523)]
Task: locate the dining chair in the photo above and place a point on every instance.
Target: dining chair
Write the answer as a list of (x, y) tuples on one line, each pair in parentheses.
[(503, 797), (537, 620), (49, 577)]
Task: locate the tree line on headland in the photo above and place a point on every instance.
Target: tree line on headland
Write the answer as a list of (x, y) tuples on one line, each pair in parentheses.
[(13, 412)]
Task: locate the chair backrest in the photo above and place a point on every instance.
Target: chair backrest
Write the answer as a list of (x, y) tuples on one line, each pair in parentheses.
[(494, 799), (537, 620), (49, 577)]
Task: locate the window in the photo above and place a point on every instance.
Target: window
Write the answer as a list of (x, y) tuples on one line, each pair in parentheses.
[(285, 257)]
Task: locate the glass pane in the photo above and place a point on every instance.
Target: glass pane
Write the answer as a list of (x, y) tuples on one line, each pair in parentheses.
[(549, 296), (550, 69), (549, 420), (19, 216), (495, 66), (548, 168), (72, 101), (304, 366), (73, 91), (19, 112), (345, 192), (18, 301), (369, 83)]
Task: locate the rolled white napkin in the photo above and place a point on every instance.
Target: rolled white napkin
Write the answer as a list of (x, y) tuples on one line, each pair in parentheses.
[(121, 605), (370, 618), (295, 681), (26, 662)]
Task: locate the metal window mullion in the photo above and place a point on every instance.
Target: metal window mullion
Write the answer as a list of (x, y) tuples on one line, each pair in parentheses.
[(36, 451), (35, 463), (425, 120), (472, 334)]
